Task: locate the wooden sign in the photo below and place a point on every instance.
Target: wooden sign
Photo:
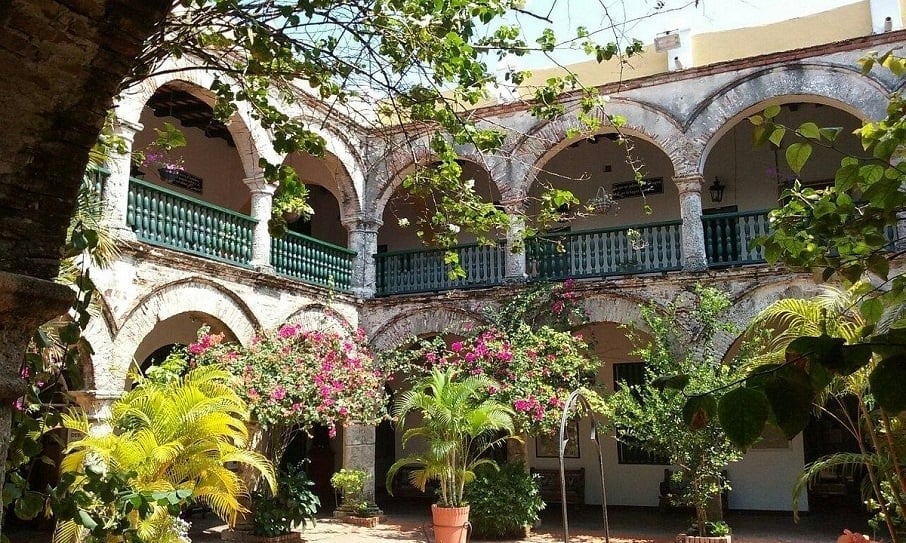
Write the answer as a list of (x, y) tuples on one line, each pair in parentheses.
[(182, 178), (634, 189)]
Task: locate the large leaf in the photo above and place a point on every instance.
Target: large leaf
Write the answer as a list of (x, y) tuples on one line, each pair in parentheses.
[(797, 155), (699, 411), (887, 383), (790, 396), (742, 413), (830, 352)]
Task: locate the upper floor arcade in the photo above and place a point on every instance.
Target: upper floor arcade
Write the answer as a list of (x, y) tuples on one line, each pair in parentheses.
[(706, 192)]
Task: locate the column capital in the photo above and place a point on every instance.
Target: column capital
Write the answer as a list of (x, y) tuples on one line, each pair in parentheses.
[(126, 129), (513, 205), (258, 184), (357, 223), (689, 183)]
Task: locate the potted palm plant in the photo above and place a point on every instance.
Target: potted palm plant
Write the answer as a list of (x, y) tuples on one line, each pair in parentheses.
[(460, 424)]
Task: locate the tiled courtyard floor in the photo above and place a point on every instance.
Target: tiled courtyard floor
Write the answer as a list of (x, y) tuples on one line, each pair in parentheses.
[(411, 525), (626, 525)]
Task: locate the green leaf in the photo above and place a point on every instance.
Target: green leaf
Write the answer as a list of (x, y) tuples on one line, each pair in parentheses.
[(771, 111), (830, 134), (886, 382), (777, 135), (676, 382), (830, 352), (797, 155), (872, 309), (878, 264), (809, 130), (86, 520), (28, 506), (790, 397), (742, 413), (699, 411)]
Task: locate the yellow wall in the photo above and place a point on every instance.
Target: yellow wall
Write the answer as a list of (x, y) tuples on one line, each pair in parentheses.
[(845, 22), (842, 23)]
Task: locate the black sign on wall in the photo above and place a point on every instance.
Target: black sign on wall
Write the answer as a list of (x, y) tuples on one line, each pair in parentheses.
[(181, 178), (634, 189)]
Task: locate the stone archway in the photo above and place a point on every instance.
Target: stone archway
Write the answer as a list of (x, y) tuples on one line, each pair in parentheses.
[(420, 322), (839, 86), (192, 295)]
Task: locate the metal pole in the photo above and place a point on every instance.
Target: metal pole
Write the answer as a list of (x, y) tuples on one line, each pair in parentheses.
[(575, 396)]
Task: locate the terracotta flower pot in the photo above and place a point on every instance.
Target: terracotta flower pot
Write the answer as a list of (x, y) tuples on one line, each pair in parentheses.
[(450, 523)]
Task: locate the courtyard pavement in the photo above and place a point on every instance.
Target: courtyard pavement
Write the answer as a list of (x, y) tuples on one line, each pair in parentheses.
[(411, 523), (627, 525)]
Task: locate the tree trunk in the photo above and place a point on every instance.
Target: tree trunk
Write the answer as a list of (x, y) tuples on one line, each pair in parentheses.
[(61, 63)]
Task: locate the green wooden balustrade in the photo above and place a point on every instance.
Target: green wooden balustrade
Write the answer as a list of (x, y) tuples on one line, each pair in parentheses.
[(313, 261), (642, 248), (160, 216), (729, 236), (401, 272)]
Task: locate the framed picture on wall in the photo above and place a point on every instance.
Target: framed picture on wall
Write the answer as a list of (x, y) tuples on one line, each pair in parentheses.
[(546, 446)]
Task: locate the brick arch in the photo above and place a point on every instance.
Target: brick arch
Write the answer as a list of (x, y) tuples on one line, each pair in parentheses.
[(614, 308), (252, 140), (643, 120), (194, 294), (344, 147), (422, 321), (317, 316), (837, 86), (388, 174), (752, 301)]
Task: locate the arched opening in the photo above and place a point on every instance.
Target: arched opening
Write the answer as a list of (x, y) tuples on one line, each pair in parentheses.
[(180, 329), (330, 195), (208, 167), (753, 178), (620, 226), (399, 231)]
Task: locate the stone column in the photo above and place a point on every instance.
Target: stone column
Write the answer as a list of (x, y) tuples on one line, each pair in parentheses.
[(358, 453), (363, 236), (694, 256), (97, 405), (25, 303), (262, 201), (116, 188), (515, 239)]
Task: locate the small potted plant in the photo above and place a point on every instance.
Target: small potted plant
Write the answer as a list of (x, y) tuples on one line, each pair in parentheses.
[(354, 508), (276, 516), (460, 423), (504, 503)]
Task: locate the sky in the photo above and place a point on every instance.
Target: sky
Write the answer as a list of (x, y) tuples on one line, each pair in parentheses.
[(644, 21)]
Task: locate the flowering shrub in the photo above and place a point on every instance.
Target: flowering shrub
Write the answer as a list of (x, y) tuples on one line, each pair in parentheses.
[(291, 377), (527, 349)]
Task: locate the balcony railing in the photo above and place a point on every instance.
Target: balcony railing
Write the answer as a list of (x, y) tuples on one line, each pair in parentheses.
[(627, 250), (313, 261), (425, 271), (728, 237), (163, 217)]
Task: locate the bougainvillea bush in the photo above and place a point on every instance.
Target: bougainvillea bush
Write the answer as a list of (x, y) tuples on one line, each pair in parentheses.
[(296, 378), (527, 348)]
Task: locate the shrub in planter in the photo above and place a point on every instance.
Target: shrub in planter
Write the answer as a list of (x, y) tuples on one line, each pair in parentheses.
[(504, 502), (294, 503)]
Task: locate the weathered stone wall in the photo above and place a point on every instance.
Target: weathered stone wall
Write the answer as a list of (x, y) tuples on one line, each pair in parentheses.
[(147, 285), (61, 62)]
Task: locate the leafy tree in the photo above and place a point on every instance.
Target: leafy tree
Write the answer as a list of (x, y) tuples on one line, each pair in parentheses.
[(845, 233), (835, 314), (657, 418)]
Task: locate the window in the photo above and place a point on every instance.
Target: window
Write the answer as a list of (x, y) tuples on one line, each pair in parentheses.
[(632, 374)]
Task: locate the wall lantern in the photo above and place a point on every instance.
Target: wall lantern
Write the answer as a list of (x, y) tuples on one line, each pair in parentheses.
[(717, 190)]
